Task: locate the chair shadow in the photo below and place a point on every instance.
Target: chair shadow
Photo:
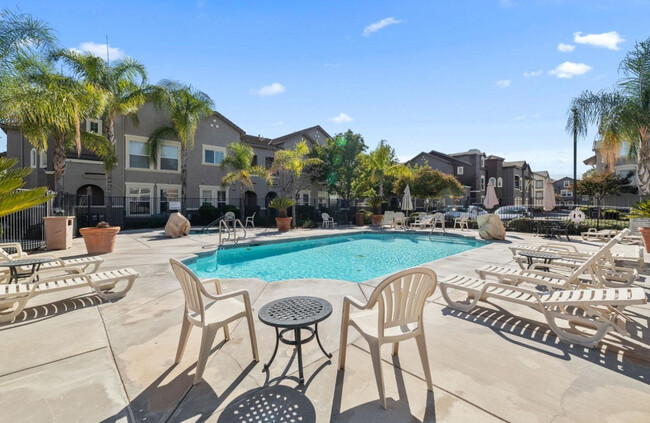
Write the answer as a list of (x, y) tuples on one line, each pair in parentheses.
[(38, 313), (616, 352), (372, 411)]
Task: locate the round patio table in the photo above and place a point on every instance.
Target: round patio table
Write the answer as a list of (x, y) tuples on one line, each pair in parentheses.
[(16, 264), (541, 255), (293, 314)]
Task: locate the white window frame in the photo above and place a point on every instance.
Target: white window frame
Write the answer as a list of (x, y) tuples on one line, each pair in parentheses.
[(482, 183), (499, 182), (482, 161), (42, 159), (517, 185), (542, 184), (300, 200), (214, 189), (152, 206), (567, 184), (153, 167), (566, 193), (493, 180), (99, 125), (460, 170), (33, 156), (158, 197), (206, 147)]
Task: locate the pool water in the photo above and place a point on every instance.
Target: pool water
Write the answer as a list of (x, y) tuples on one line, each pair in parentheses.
[(354, 258)]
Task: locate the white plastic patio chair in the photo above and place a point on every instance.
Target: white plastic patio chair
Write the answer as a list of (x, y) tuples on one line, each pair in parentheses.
[(462, 221), (211, 317), (438, 218), (251, 220), (388, 220), (328, 221), (400, 220), (392, 314)]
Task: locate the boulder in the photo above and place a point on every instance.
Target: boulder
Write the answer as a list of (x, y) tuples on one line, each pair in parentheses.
[(490, 226), (177, 226)]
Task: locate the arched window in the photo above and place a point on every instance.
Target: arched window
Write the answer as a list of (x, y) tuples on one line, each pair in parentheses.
[(32, 158), (499, 182), (43, 159), (494, 182)]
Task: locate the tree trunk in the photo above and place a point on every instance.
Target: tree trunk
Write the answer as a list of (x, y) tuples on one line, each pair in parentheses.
[(242, 212), (643, 171), (294, 222), (109, 129), (381, 188), (183, 179), (59, 164)]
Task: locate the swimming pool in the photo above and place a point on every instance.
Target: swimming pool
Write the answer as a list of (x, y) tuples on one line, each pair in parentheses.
[(355, 257)]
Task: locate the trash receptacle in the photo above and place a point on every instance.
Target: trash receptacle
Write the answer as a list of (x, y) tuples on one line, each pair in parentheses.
[(58, 232), (360, 218)]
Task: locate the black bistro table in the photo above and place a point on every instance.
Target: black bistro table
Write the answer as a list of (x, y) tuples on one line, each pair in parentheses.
[(15, 264), (293, 314), (540, 255)]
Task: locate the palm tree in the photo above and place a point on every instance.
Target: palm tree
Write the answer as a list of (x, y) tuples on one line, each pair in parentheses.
[(622, 116), (576, 125), (239, 158), (43, 103), (186, 107), (289, 165), (381, 163), (20, 33), (11, 180), (123, 85)]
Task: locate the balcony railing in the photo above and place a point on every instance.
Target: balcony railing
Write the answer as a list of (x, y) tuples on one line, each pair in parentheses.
[(82, 156)]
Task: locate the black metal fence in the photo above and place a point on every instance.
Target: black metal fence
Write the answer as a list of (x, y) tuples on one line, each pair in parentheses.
[(25, 227)]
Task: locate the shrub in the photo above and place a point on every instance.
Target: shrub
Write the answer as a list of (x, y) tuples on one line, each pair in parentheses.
[(308, 224), (208, 213)]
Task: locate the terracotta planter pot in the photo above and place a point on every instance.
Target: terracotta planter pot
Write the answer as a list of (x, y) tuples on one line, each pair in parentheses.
[(284, 223), (100, 240), (376, 219), (645, 233)]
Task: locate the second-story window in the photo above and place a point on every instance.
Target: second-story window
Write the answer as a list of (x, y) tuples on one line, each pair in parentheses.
[(539, 184), (494, 182), (499, 182), (566, 184), (169, 157), (94, 126), (269, 162), (482, 183), (517, 182), (459, 170), (213, 155), (43, 159), (138, 157)]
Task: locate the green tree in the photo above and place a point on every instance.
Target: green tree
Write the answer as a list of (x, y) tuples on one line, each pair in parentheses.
[(239, 158), (44, 104), (599, 184), (123, 85), (186, 107), (426, 182), (622, 116), (340, 161), (289, 166), (12, 198), (21, 34)]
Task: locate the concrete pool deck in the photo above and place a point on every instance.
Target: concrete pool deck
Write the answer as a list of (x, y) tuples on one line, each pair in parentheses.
[(82, 359)]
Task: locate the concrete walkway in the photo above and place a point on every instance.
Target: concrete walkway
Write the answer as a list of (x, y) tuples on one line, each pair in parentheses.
[(84, 360)]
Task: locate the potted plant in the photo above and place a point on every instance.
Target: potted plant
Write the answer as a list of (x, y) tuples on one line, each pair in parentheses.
[(374, 200), (100, 239), (640, 213), (282, 204)]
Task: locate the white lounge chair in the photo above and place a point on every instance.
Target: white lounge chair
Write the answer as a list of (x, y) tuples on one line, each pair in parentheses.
[(438, 218), (462, 221), (328, 222), (14, 296), (400, 220), (388, 220), (222, 310), (601, 308), (86, 264), (594, 235), (563, 277), (421, 220), (569, 251), (251, 220), (392, 314)]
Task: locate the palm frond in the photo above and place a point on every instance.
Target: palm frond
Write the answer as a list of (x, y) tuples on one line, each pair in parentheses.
[(155, 140)]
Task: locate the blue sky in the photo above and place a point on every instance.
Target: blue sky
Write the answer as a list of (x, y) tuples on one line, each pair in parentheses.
[(495, 75)]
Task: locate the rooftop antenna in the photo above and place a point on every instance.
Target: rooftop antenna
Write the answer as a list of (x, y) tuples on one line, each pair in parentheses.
[(108, 62)]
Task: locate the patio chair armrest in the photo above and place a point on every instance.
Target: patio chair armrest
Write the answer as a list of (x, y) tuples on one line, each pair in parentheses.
[(356, 303), (16, 246), (239, 292), (216, 282), (554, 270), (67, 270)]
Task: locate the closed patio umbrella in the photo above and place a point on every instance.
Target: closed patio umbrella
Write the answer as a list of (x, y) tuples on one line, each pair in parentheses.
[(407, 203), (549, 196), (491, 199)]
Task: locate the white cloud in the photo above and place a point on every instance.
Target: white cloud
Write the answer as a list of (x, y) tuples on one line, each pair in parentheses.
[(532, 74), (114, 53), (609, 40), (341, 118), (565, 48), (526, 117), (272, 89), (503, 83), (374, 27), (570, 69)]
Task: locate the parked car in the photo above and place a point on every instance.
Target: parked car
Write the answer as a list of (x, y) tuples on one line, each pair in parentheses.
[(473, 212), (512, 212)]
